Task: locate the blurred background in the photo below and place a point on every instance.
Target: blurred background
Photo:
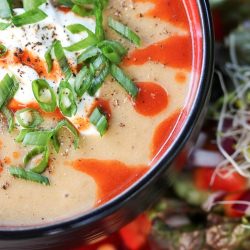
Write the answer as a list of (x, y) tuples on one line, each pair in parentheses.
[(208, 207)]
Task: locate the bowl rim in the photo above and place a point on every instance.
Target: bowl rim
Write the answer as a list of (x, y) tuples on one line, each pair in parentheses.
[(162, 164)]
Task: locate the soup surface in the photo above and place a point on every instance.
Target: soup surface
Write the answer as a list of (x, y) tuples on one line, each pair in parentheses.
[(87, 109)]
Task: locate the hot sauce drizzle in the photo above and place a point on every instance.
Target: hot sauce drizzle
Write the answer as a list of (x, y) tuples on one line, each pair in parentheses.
[(168, 10), (175, 51), (162, 135), (15, 106), (112, 177), (151, 100), (28, 58)]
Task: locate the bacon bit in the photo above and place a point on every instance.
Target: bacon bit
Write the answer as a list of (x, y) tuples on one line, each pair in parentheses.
[(16, 155)]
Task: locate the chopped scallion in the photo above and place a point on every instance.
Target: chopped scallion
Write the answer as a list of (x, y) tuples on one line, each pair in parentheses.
[(83, 81), (67, 99), (4, 26), (65, 123), (28, 118), (38, 138), (5, 9), (125, 31), (28, 175), (99, 120), (29, 17), (10, 118), (32, 4), (3, 50), (124, 80), (44, 95), (43, 163), (62, 60)]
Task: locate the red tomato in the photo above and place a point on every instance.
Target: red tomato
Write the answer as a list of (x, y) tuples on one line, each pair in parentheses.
[(233, 183), (135, 234)]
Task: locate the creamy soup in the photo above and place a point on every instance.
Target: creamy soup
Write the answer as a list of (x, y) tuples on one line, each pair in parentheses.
[(87, 105)]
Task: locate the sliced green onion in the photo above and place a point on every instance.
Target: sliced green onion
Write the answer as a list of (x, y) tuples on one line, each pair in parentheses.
[(125, 31), (8, 88), (83, 2), (28, 118), (67, 99), (42, 165), (83, 81), (5, 9), (48, 58), (32, 4), (4, 26), (116, 45), (111, 53), (3, 50), (71, 128), (78, 28), (10, 118), (99, 120), (100, 69), (44, 95), (29, 17), (90, 52), (38, 138), (28, 175), (22, 134), (81, 11), (67, 3), (124, 81), (99, 31), (62, 60), (83, 44)]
